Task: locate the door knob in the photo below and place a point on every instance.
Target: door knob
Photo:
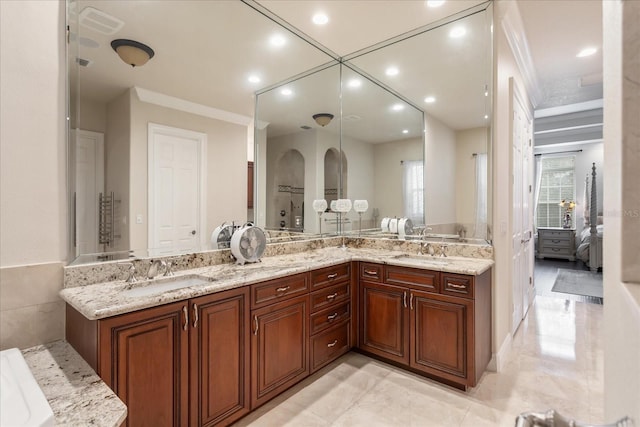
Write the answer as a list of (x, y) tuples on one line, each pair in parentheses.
[(193, 232)]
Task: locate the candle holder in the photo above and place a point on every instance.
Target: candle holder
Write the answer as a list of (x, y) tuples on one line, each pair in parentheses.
[(320, 206)]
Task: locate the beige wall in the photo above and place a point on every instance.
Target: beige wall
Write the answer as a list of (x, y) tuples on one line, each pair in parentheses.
[(362, 178), (439, 172), (226, 166), (621, 53), (93, 117), (33, 212), (505, 67)]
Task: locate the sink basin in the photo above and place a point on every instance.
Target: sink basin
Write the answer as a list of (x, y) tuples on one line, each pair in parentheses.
[(158, 286), (422, 258), (22, 402)]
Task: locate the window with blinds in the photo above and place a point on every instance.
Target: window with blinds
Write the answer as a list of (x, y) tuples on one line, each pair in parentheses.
[(557, 183)]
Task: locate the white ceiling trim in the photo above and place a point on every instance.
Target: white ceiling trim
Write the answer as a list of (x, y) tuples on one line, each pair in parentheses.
[(517, 40), (157, 98)]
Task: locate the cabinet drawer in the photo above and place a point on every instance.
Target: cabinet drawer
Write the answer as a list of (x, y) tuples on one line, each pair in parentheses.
[(371, 272), (555, 234), (278, 290), (546, 250), (329, 296), (457, 285), (329, 345), (425, 280), (331, 316), (330, 275), (556, 243)]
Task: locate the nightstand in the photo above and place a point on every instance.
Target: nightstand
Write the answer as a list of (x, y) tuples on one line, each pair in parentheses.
[(557, 243)]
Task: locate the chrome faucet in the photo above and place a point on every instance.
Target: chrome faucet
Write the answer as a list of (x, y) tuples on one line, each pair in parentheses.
[(443, 250), (168, 268), (131, 278), (155, 268), (425, 246)]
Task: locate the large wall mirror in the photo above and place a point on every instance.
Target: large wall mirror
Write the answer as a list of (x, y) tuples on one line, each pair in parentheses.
[(134, 128), (173, 132)]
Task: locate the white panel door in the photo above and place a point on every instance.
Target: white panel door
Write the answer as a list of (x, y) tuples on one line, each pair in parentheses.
[(522, 179), (175, 187), (89, 183)]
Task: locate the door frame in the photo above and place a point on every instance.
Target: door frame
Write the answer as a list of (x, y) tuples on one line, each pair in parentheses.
[(201, 139)]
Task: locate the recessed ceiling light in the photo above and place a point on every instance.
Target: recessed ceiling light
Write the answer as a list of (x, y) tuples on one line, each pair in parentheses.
[(587, 51), (392, 71), (457, 32), (354, 83), (435, 3), (277, 40), (430, 99), (405, 131), (320, 19), (254, 79), (397, 107), (286, 91), (486, 116)]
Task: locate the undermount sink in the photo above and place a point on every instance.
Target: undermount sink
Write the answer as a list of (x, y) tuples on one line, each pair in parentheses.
[(158, 286), (422, 258)]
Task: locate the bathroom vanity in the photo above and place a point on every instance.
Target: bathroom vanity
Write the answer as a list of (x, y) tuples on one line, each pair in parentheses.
[(225, 347)]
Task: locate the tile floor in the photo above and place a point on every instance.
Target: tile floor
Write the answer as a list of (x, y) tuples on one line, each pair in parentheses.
[(556, 362)]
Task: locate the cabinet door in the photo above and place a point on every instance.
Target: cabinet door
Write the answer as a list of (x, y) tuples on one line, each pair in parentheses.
[(144, 359), (384, 321), (440, 335), (279, 348), (219, 347)]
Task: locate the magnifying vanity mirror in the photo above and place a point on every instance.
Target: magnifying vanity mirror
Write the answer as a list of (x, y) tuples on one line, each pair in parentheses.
[(130, 126)]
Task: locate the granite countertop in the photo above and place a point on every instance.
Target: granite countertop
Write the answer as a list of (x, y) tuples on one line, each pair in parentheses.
[(110, 298), (76, 394)]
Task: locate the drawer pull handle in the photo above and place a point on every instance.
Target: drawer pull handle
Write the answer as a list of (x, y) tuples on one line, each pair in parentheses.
[(186, 317), (332, 296), (555, 249), (195, 315), (404, 299), (255, 319), (332, 344), (331, 317), (371, 272), (332, 276), (453, 285), (283, 289), (556, 241)]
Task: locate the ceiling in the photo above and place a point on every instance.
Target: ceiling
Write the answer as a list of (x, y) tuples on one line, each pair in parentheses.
[(205, 50)]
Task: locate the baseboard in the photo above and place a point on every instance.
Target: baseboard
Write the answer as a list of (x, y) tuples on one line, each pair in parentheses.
[(499, 359)]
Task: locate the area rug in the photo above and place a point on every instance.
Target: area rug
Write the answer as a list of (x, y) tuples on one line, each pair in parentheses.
[(578, 283)]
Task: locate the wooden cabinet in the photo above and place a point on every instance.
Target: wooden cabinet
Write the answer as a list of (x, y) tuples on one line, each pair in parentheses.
[(432, 322), (220, 362), (557, 243), (279, 348), (179, 364), (384, 321), (144, 358)]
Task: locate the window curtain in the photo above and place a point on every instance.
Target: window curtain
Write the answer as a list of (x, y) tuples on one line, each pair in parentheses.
[(481, 196), (413, 190), (536, 193)]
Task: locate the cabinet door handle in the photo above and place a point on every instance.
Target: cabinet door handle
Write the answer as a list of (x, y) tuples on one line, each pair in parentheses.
[(186, 317), (255, 320), (556, 241), (332, 296), (411, 301), (453, 285), (404, 299), (283, 289), (371, 272), (195, 315), (331, 344), (331, 317), (332, 276)]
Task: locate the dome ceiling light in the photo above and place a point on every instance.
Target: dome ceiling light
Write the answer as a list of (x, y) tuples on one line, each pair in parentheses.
[(323, 119), (132, 52)]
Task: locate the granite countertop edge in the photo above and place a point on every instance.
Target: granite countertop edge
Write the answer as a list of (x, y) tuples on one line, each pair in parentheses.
[(76, 394), (102, 300)]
